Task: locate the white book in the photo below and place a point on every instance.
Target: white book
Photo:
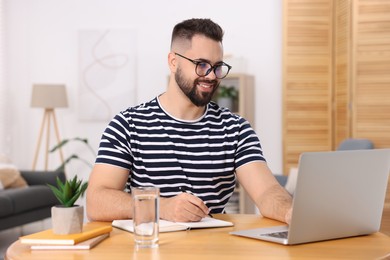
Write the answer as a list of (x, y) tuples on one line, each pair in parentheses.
[(169, 226)]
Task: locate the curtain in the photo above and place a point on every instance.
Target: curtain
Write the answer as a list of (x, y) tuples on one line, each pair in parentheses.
[(5, 148)]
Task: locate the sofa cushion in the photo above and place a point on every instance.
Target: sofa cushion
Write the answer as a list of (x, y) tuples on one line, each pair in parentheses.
[(18, 200), (6, 207)]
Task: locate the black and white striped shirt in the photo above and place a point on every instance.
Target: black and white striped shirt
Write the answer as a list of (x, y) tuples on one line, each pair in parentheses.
[(198, 156)]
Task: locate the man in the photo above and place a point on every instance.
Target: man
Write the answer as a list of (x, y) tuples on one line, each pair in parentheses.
[(189, 147)]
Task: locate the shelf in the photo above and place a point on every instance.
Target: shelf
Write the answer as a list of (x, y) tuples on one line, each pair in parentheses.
[(244, 106)]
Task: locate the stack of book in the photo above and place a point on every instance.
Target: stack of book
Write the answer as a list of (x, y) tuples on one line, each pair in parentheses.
[(93, 233)]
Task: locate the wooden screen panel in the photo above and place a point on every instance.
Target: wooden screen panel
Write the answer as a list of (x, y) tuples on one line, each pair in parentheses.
[(307, 78), (342, 73), (371, 73)]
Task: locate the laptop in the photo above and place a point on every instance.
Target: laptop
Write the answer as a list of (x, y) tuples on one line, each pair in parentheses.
[(338, 194)]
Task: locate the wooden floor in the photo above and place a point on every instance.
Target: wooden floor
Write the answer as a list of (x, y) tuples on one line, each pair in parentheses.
[(385, 225)]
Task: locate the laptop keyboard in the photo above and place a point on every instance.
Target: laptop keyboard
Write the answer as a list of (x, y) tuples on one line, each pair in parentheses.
[(282, 234)]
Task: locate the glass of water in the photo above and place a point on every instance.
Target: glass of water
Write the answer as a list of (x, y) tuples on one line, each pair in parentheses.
[(146, 216)]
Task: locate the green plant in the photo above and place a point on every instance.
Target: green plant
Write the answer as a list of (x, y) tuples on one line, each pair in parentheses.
[(73, 156), (227, 92), (68, 192)]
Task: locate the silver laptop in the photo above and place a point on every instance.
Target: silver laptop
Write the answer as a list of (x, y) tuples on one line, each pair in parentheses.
[(338, 194)]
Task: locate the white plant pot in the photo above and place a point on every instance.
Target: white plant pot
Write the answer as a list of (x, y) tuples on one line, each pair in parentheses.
[(67, 220), (226, 102)]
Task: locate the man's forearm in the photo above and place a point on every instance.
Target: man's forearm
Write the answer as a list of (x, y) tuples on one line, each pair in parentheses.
[(276, 203), (109, 204)]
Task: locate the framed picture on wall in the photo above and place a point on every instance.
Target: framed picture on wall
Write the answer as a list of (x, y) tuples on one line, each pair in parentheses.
[(107, 72)]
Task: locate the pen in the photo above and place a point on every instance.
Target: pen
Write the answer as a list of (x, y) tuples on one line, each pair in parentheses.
[(183, 190)]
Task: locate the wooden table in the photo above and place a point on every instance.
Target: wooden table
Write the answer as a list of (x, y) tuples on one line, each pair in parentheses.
[(216, 243)]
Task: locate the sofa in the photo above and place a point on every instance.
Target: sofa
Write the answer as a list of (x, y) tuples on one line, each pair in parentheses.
[(19, 206)]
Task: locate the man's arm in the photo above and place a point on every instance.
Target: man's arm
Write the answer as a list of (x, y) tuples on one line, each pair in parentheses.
[(106, 199), (272, 199)]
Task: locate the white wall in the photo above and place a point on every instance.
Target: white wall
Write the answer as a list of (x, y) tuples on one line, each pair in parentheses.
[(41, 42)]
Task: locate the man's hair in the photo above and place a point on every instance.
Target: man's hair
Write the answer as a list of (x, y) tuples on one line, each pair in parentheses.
[(196, 26)]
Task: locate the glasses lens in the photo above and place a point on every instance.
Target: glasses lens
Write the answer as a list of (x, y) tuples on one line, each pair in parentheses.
[(221, 71), (202, 68)]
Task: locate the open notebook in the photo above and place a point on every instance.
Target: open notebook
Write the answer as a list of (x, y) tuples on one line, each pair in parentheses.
[(168, 226)]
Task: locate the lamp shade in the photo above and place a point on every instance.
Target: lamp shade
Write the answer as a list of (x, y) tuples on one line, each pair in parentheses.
[(49, 96)]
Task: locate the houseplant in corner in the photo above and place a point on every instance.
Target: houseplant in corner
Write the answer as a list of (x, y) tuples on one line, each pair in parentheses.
[(74, 156), (227, 96), (68, 218)]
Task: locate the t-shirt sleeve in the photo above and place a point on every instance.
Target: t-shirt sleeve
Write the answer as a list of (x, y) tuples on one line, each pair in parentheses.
[(249, 147), (115, 143)]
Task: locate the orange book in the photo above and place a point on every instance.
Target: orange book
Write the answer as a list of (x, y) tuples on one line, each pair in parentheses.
[(90, 230), (85, 245)]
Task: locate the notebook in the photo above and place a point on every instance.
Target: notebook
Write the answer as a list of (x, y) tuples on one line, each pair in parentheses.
[(85, 245), (168, 226), (338, 194), (90, 230)]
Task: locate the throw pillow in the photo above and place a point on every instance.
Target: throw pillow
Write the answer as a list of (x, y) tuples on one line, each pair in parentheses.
[(10, 176)]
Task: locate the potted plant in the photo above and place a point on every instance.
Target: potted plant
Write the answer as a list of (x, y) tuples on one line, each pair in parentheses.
[(68, 218), (74, 156), (226, 96)]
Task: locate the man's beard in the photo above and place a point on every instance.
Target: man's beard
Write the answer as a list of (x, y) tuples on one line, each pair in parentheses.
[(190, 89)]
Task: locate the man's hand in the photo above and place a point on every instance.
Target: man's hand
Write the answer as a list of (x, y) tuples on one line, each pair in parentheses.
[(184, 207)]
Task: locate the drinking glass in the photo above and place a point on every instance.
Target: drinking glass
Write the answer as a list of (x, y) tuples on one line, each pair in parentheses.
[(146, 216)]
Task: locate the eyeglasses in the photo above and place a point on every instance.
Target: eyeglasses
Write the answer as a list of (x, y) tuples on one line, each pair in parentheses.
[(203, 68)]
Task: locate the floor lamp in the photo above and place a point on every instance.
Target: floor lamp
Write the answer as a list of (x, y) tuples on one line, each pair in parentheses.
[(48, 97)]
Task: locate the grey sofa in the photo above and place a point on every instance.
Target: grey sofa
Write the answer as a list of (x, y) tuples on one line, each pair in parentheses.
[(24, 205)]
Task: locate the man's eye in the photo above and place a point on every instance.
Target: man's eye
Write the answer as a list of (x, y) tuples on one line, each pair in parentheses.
[(203, 65)]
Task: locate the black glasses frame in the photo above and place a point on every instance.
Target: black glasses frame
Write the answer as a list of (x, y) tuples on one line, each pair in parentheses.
[(212, 67)]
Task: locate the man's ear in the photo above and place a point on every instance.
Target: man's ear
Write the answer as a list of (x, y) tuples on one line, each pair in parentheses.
[(172, 62)]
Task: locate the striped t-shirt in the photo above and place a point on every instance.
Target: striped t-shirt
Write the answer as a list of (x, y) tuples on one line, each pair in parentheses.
[(199, 157)]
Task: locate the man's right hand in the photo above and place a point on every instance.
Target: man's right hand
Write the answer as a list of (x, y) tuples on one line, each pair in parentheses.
[(184, 207)]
